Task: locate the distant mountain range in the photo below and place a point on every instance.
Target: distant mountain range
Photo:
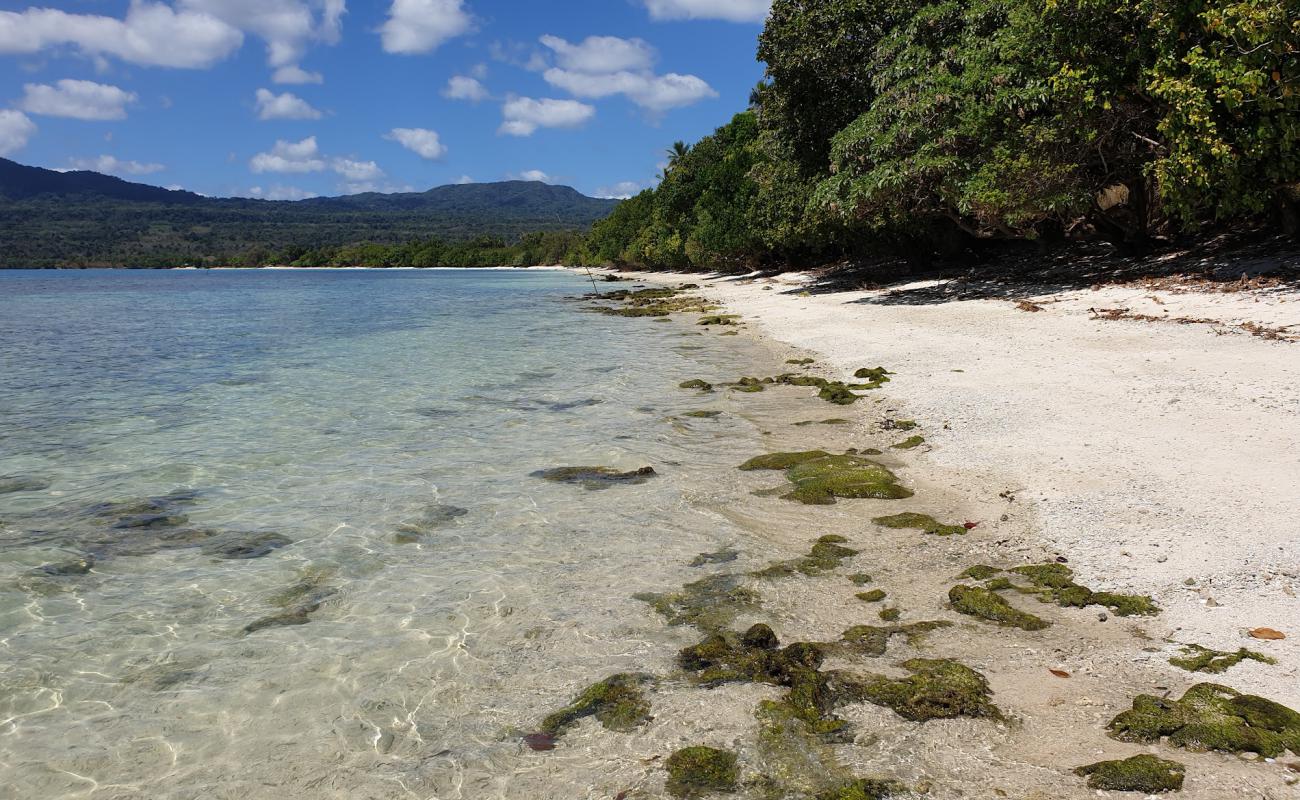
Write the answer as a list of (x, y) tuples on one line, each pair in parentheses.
[(50, 218)]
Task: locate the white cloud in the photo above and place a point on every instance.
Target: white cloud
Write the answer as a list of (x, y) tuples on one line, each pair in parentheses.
[(281, 193), (283, 106), (111, 165), (524, 115), (357, 171), (730, 10), (286, 156), (463, 180), (602, 53), (619, 191), (15, 131), (296, 75), (151, 34), (463, 87), (420, 26), (534, 175), (287, 26), (653, 92), (602, 66), (77, 100), (421, 141)]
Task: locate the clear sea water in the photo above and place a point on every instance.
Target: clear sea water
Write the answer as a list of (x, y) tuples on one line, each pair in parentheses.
[(190, 452)]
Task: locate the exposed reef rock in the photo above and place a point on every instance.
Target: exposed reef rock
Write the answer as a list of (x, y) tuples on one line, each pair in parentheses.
[(1144, 773), (820, 477), (977, 601), (1211, 717), (1202, 659), (617, 702), (921, 522)]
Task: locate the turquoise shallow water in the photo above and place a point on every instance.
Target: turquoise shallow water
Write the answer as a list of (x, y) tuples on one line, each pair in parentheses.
[(191, 452)]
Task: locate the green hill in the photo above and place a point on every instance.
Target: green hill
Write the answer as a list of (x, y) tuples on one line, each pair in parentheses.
[(50, 218)]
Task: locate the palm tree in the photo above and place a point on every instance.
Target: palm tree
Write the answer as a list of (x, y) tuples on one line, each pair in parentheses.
[(677, 152)]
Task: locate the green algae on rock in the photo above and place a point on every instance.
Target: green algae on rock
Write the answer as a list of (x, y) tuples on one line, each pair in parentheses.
[(873, 640), (920, 522), (702, 414), (820, 477), (826, 554), (1202, 659), (298, 601), (709, 604), (980, 572), (594, 478), (910, 443), (977, 601), (838, 394), (873, 596), (864, 789), (801, 362), (860, 578), (1145, 773), (617, 702), (937, 689), (719, 319), (890, 614), (1211, 717), (724, 556), (699, 770), (696, 383), (1054, 583)]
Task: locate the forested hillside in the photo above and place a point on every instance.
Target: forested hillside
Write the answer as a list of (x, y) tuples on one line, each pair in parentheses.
[(51, 218), (930, 129)]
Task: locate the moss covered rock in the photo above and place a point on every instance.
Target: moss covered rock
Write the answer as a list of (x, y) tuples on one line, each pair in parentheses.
[(864, 789), (920, 522), (710, 604), (909, 443), (617, 702), (977, 601), (873, 596), (1211, 717), (873, 640), (1202, 659), (1144, 773), (820, 477), (937, 689), (702, 414), (1054, 583), (696, 383), (595, 478), (699, 770), (826, 554)]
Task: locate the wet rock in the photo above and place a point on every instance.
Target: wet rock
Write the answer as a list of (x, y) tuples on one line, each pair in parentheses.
[(921, 522), (1053, 582), (1211, 717), (1144, 773), (801, 362), (820, 477), (699, 770), (890, 614), (937, 689), (910, 443), (899, 425), (873, 640), (710, 604), (434, 517), (244, 546), (1202, 659), (617, 702), (299, 602), (71, 567), (718, 319), (977, 601), (702, 414), (11, 484), (723, 556), (873, 596), (865, 789), (827, 553), (595, 478), (540, 742)]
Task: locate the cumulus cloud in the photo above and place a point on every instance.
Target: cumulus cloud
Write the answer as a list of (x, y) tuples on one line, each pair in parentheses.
[(421, 141), (15, 131), (524, 115), (619, 191), (77, 100), (730, 10), (463, 87), (111, 165), (296, 75), (151, 34), (287, 26), (283, 106), (299, 157), (534, 175), (357, 171), (602, 53), (281, 193), (421, 26), (602, 66), (463, 180)]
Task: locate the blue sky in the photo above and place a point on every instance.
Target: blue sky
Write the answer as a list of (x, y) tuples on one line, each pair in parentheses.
[(290, 98)]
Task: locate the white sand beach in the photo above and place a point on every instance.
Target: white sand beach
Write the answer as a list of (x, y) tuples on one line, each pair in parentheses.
[(1155, 457)]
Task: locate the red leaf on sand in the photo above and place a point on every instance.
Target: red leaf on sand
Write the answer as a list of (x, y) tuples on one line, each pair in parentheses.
[(1267, 633), (1060, 673), (970, 526), (540, 741)]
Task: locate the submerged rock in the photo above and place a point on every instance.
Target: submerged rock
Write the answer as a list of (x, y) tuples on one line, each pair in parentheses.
[(699, 770), (710, 604), (702, 414), (10, 484), (723, 556), (244, 546), (1144, 773), (595, 478), (299, 603), (937, 689), (873, 640), (61, 569), (1202, 659), (921, 522), (617, 702), (864, 789), (1211, 717), (434, 517), (826, 554)]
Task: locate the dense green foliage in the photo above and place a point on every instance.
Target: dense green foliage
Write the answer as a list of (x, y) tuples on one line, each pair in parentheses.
[(85, 219), (923, 127)]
